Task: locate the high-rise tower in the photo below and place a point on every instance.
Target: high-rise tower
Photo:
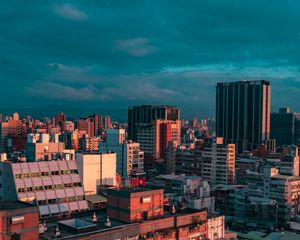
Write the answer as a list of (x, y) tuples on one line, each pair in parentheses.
[(243, 113)]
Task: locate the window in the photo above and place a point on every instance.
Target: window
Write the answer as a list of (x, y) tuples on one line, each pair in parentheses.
[(42, 202), (64, 172), (72, 199), (58, 186), (51, 200), (16, 236), (62, 200), (35, 174), (80, 198), (18, 175), (68, 185), (54, 172)]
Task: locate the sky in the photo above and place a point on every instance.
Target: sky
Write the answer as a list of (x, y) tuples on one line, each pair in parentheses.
[(86, 56)]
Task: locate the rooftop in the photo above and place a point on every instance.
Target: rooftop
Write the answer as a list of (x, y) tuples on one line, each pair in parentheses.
[(286, 177), (153, 106), (245, 81), (96, 198), (134, 190), (80, 227)]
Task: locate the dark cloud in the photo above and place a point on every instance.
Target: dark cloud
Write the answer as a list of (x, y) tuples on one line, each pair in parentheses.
[(117, 53)]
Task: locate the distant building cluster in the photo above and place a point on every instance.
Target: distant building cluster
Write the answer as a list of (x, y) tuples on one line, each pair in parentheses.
[(156, 177)]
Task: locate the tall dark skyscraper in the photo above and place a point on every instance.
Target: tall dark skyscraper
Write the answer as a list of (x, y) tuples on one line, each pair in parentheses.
[(146, 114), (243, 113), (285, 127)]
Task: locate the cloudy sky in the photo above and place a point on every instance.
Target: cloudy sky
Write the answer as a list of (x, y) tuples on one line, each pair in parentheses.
[(93, 55)]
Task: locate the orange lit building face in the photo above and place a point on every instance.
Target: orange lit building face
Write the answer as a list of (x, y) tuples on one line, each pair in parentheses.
[(135, 205), (19, 221)]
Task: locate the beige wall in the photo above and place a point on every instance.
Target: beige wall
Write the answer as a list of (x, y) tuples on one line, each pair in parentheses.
[(95, 170)]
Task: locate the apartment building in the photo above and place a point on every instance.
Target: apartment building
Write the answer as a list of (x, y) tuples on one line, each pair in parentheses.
[(130, 157), (55, 186), (40, 147), (218, 162), (284, 189), (188, 191)]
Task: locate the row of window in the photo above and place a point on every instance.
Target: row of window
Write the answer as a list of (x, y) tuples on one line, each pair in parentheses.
[(42, 174), (47, 187), (61, 200)]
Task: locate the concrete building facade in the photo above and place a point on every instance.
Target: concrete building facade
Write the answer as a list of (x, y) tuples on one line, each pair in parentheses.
[(55, 186), (130, 157), (218, 162), (96, 170)]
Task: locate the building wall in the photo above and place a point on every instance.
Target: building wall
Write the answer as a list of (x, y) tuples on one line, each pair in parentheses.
[(146, 114), (44, 151), (96, 170), (155, 137), (130, 158), (285, 190), (170, 157), (54, 185), (218, 166), (28, 229), (243, 112), (12, 136), (135, 206), (216, 227)]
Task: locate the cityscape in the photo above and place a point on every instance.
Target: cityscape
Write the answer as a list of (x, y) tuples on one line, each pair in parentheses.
[(148, 120), (156, 176)]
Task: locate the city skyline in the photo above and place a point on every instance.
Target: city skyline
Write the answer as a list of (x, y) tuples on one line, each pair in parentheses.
[(113, 55), (149, 119)]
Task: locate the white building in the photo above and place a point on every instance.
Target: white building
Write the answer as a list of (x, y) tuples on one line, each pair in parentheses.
[(96, 170), (285, 190), (130, 158), (191, 191), (55, 186), (218, 164)]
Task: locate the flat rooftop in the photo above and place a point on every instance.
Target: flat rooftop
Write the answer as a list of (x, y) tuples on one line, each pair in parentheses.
[(72, 227), (134, 190), (286, 177), (245, 81)]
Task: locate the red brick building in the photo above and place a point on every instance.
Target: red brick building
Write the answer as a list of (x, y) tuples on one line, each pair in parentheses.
[(138, 214), (18, 220), (135, 204)]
